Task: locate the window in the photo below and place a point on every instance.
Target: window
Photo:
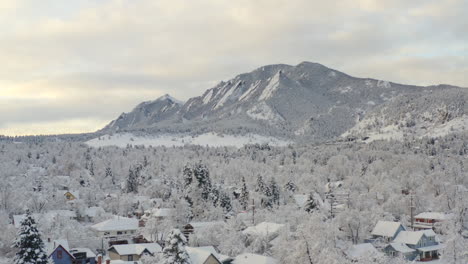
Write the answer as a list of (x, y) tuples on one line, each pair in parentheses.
[(106, 233), (130, 258), (59, 254), (119, 232)]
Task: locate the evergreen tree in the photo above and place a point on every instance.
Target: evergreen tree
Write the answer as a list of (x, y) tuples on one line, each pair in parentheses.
[(274, 192), (175, 252), (188, 175), (244, 195), (310, 205), (202, 175), (132, 181), (225, 202), (260, 185), (29, 243), (110, 174)]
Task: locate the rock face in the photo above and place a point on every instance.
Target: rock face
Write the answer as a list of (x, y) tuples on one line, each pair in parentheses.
[(304, 102)]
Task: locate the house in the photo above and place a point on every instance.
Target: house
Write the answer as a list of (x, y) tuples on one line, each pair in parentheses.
[(424, 242), (133, 252), (248, 258), (206, 255), (71, 195), (49, 217), (116, 228), (427, 220), (83, 256), (364, 251), (200, 256), (386, 230), (60, 253)]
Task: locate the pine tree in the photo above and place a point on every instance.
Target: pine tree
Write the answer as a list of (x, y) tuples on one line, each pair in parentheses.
[(188, 175), (29, 243), (175, 252), (225, 202), (132, 180), (310, 205), (274, 192), (260, 185), (244, 195)]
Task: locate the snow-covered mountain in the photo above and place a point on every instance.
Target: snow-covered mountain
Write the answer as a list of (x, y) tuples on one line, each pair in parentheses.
[(308, 101)]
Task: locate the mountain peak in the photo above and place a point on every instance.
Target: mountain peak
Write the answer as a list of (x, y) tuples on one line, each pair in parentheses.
[(170, 98)]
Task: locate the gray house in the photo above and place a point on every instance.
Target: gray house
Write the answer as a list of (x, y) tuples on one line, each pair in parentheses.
[(386, 231), (421, 245)]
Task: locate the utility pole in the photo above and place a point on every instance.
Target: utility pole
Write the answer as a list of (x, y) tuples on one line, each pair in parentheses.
[(412, 207), (253, 212)]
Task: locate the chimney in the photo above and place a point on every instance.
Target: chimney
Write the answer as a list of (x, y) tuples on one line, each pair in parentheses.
[(48, 239), (99, 259), (107, 261)]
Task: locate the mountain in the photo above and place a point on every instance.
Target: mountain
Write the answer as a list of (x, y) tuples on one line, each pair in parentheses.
[(306, 102)]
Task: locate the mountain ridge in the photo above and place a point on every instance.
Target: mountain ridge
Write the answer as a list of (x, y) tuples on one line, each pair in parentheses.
[(308, 101)]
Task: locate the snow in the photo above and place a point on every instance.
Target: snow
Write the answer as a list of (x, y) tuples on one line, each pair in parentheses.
[(204, 225), (253, 87), (432, 215), (431, 248), (226, 95), (248, 258), (383, 84), (179, 140), (162, 212), (89, 253), (137, 249), (263, 229), (402, 247), (301, 199), (386, 228), (199, 255), (208, 96), (271, 87), (168, 97), (263, 112), (362, 250), (94, 211), (413, 237), (118, 223)]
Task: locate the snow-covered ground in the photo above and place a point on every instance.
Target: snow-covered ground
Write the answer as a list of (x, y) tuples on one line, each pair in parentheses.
[(207, 139)]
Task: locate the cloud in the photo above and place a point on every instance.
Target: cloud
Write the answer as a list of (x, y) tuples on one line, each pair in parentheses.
[(65, 58)]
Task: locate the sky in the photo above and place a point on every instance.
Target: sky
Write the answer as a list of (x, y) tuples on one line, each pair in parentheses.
[(73, 66)]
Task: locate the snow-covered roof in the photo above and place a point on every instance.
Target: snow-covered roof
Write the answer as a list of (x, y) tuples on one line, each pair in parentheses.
[(201, 225), (432, 215), (117, 223), (264, 228), (137, 249), (50, 216), (413, 237), (51, 246), (89, 252), (386, 228), (401, 247), (300, 199), (215, 253), (361, 250), (198, 255), (248, 258)]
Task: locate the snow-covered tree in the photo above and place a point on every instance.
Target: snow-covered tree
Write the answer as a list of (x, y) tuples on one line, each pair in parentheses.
[(310, 205), (174, 251), (244, 195), (29, 243)]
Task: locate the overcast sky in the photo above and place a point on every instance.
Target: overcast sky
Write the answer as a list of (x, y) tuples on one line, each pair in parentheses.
[(72, 66)]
